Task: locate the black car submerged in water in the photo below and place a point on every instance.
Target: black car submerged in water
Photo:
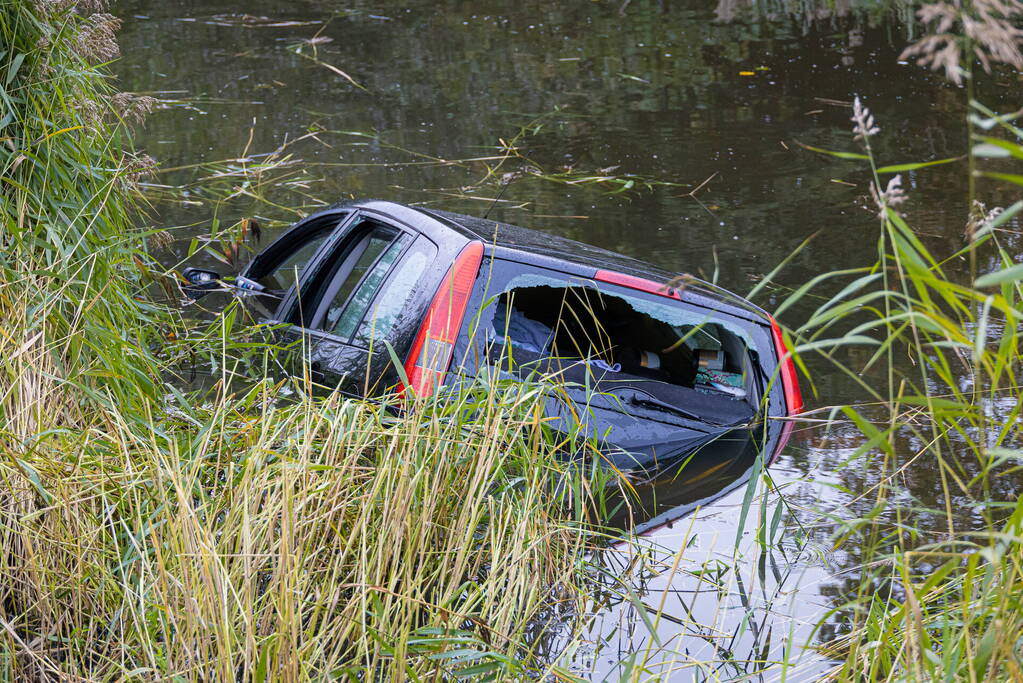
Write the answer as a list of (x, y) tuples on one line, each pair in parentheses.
[(652, 364)]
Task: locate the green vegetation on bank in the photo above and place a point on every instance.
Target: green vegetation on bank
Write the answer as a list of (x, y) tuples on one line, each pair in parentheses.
[(940, 596), (69, 254), (156, 536)]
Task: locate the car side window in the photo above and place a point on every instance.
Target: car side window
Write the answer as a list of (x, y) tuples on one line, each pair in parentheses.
[(395, 294), (358, 280), (289, 269)]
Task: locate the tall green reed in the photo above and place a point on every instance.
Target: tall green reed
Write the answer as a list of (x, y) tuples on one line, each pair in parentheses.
[(71, 261), (948, 355), (944, 377)]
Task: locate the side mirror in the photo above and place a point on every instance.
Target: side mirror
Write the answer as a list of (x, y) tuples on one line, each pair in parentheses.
[(200, 282)]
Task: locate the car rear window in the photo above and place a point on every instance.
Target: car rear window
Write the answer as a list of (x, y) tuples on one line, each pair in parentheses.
[(532, 319)]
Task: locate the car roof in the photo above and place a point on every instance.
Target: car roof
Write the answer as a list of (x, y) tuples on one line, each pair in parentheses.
[(533, 241), (543, 244)]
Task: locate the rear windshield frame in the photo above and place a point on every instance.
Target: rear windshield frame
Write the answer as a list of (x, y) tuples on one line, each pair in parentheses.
[(497, 275)]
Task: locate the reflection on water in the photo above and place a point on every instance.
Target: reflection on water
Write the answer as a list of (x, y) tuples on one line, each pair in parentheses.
[(419, 102), (706, 588), (662, 90), (711, 471)]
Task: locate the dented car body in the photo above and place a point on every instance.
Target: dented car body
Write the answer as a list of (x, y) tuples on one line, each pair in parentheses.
[(652, 365)]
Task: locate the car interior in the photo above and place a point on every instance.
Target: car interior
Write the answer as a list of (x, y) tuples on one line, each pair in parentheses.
[(602, 341)]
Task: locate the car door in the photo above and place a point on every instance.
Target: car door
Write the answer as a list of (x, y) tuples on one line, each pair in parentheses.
[(276, 273), (367, 293)]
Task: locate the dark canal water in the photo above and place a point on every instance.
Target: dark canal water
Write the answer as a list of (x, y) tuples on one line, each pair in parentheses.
[(677, 95)]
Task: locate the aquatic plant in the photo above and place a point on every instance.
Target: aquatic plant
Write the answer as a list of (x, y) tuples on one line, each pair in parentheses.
[(985, 29)]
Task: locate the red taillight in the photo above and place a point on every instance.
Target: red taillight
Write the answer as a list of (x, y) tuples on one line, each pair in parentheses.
[(633, 282), (789, 381), (430, 357)]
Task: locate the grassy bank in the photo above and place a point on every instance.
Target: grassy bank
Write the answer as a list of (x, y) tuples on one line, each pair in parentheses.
[(70, 258), (321, 539), (152, 535)]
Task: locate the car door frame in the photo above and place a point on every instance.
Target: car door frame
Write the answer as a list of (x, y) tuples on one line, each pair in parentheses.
[(317, 344), (344, 216), (289, 307)]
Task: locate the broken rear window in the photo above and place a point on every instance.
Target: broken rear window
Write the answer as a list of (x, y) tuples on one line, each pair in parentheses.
[(657, 353)]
